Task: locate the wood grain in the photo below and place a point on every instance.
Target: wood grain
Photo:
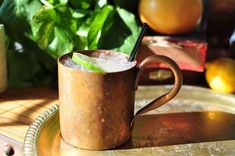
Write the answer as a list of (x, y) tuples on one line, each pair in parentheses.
[(20, 107)]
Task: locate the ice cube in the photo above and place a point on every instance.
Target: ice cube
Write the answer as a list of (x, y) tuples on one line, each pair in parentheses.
[(69, 63)]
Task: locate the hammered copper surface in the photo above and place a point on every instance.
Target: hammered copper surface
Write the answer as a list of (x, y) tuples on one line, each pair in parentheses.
[(99, 107), (196, 122)]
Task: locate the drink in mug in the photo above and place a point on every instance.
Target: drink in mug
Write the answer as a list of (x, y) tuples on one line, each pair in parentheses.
[(97, 108), (106, 62)]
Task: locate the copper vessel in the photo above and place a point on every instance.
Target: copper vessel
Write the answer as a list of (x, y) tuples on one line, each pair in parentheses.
[(97, 109)]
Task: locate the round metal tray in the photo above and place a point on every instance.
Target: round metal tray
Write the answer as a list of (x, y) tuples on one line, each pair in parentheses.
[(196, 122)]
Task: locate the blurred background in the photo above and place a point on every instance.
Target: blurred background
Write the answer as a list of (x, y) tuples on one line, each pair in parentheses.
[(198, 34)]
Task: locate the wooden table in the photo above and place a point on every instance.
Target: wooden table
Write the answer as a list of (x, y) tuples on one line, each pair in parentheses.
[(18, 109)]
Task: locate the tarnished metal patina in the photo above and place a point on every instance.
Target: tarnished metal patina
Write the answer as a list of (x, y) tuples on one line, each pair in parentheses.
[(97, 109)]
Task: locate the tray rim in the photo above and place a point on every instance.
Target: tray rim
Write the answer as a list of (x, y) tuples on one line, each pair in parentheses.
[(32, 133), (29, 146)]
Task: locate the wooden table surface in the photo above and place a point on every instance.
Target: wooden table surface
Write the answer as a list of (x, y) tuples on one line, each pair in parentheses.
[(20, 107)]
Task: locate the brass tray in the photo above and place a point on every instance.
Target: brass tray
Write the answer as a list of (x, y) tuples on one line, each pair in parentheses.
[(196, 122)]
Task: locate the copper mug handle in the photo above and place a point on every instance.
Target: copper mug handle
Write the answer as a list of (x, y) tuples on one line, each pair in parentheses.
[(169, 95)]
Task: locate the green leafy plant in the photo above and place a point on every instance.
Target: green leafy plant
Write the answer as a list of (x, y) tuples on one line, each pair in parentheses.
[(41, 31)]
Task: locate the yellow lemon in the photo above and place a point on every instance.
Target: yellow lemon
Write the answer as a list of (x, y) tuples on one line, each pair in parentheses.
[(220, 75)]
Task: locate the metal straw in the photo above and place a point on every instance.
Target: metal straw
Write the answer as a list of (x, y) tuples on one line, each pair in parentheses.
[(138, 42)]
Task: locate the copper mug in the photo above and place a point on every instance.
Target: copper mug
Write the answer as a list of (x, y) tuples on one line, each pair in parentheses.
[(97, 109)]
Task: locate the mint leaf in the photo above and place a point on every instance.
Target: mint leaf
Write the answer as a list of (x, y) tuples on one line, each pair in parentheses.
[(54, 29), (48, 31), (81, 4), (16, 14), (119, 32), (130, 21), (96, 26), (25, 59), (114, 32), (55, 2)]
